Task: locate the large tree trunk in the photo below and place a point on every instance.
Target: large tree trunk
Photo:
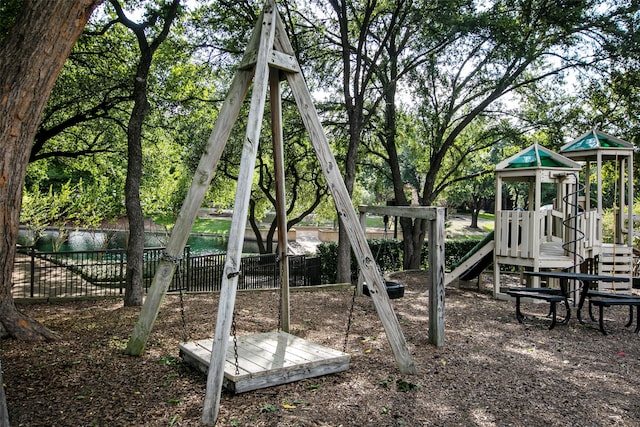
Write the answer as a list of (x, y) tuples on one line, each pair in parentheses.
[(344, 246), (31, 58), (134, 291)]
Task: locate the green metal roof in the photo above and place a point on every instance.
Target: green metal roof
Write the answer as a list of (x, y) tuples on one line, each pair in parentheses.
[(530, 160), (536, 156), (594, 140)]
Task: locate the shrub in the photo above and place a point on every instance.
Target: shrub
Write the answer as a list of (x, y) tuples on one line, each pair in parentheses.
[(389, 256)]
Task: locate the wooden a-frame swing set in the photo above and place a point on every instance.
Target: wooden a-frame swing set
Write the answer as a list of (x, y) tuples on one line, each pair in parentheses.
[(268, 58)]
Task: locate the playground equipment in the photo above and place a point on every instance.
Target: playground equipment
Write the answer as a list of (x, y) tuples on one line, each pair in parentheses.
[(597, 148), (565, 230), (565, 234), (269, 58)]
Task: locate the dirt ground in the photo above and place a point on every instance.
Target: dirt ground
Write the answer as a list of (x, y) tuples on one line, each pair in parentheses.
[(492, 370)]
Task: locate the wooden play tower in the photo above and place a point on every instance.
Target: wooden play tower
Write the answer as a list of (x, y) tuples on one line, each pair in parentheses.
[(594, 150), (559, 227)]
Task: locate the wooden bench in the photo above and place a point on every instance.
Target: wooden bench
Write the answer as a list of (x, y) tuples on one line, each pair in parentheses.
[(552, 296), (602, 302)]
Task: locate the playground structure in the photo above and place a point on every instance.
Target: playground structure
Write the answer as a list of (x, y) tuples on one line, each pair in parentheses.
[(269, 59), (277, 357), (565, 230)]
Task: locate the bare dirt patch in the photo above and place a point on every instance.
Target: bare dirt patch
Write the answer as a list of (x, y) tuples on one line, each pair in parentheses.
[(492, 371)]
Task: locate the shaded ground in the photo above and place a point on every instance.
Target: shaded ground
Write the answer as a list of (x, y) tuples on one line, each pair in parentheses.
[(491, 372)]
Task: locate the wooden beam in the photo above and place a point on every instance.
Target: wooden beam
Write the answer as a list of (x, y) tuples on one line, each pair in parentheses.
[(239, 220), (279, 60), (193, 200), (436, 278), (420, 212), (281, 206)]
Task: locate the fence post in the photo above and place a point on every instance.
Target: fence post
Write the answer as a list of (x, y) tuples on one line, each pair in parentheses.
[(187, 261), (121, 252), (32, 270)]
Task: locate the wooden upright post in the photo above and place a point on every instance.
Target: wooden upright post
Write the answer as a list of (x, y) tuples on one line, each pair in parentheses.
[(436, 235), (281, 206), (229, 284)]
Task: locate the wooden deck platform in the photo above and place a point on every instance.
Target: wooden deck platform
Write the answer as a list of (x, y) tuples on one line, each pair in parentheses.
[(266, 360)]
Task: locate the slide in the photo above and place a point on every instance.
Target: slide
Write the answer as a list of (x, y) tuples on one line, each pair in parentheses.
[(473, 263)]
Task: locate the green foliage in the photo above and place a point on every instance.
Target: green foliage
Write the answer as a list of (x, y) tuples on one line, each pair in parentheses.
[(201, 225), (405, 386), (41, 210), (327, 252), (269, 408), (389, 255)]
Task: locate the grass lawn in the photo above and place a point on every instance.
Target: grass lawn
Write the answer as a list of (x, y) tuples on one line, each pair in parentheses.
[(201, 226)]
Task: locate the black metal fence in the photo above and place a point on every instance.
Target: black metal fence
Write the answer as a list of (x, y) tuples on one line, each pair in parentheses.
[(103, 273)]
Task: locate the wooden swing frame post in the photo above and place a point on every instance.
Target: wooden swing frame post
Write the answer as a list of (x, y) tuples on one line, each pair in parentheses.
[(436, 239), (269, 53)]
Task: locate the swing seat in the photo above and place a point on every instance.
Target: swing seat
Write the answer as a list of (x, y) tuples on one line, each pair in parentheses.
[(266, 360), (395, 290)]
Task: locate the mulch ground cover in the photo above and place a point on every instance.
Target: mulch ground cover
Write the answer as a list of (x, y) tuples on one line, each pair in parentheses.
[(492, 371)]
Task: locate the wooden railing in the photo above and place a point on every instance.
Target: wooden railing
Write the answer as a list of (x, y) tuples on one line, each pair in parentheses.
[(521, 233)]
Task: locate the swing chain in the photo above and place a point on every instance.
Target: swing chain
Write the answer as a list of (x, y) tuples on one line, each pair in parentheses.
[(185, 335), (177, 260), (235, 343), (172, 259), (346, 335)]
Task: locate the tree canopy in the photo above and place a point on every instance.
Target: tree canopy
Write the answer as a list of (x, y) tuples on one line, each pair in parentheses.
[(413, 94)]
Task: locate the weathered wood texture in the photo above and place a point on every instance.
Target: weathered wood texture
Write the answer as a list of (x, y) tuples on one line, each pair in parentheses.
[(436, 276), (419, 212), (277, 140), (266, 360), (239, 219)]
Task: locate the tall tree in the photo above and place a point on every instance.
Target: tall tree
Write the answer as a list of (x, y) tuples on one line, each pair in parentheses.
[(362, 31), (416, 32), (31, 57), (500, 49), (167, 13)]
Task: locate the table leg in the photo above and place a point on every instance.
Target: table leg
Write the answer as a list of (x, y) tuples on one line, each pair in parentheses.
[(519, 315), (637, 320), (601, 320), (593, 319), (630, 322), (553, 313), (567, 316), (583, 297)]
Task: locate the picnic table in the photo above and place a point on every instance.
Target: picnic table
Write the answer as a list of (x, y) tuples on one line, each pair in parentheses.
[(600, 299)]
